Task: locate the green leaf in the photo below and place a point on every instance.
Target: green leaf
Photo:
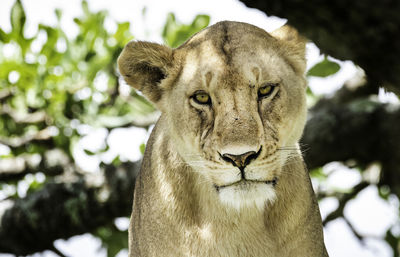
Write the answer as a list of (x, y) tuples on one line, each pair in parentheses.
[(200, 22), (58, 13), (176, 33), (312, 98), (88, 152), (116, 161), (384, 192), (393, 241), (144, 11), (324, 69), (35, 186), (77, 21), (122, 34), (4, 37), (18, 18), (85, 7), (142, 147), (112, 238), (318, 173), (48, 48)]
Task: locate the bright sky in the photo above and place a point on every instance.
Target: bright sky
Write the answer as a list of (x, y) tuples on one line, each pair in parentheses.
[(368, 213)]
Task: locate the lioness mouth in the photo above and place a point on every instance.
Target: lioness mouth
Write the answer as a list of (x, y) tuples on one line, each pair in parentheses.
[(246, 182)]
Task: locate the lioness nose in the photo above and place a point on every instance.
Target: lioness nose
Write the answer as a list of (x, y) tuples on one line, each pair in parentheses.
[(241, 160)]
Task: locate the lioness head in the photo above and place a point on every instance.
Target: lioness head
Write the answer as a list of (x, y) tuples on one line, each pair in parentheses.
[(234, 98)]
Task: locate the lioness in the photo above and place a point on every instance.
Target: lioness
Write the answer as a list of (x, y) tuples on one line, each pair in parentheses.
[(222, 174)]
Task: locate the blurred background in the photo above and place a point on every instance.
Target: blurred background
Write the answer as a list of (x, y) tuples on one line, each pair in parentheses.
[(72, 133)]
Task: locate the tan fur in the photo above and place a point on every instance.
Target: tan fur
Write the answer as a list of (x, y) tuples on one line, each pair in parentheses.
[(189, 200)]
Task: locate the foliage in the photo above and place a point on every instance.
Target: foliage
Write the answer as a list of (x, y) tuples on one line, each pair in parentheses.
[(324, 68), (112, 239), (69, 81), (175, 33)]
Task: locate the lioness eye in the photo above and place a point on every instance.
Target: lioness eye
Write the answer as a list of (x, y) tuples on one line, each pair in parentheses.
[(202, 98), (266, 90)]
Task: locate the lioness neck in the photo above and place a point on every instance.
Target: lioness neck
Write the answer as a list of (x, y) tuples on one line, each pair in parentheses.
[(194, 222)]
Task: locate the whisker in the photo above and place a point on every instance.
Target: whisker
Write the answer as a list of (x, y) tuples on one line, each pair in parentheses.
[(204, 164), (302, 148), (288, 147)]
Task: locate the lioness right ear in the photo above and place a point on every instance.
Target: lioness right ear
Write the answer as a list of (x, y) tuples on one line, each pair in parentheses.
[(144, 65), (294, 46)]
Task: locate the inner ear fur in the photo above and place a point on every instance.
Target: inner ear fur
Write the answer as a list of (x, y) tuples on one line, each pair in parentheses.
[(294, 47), (144, 65)]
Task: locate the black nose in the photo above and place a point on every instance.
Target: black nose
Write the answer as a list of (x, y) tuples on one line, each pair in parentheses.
[(241, 160)]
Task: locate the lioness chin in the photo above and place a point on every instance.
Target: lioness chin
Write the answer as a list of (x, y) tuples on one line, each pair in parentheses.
[(222, 173)]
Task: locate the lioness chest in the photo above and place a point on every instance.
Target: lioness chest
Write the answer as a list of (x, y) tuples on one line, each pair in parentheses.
[(234, 241)]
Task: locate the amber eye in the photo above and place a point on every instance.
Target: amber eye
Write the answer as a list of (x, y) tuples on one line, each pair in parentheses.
[(266, 90), (201, 98)]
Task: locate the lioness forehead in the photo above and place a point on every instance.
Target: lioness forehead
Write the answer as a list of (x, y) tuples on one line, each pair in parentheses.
[(229, 48), (228, 38)]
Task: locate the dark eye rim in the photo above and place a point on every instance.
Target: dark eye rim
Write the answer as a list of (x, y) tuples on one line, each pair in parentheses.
[(273, 86), (201, 92)]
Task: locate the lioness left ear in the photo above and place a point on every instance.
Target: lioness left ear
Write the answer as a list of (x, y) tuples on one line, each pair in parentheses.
[(144, 65), (294, 46)]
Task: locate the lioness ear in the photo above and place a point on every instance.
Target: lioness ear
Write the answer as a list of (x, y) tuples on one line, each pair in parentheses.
[(294, 46), (144, 65)]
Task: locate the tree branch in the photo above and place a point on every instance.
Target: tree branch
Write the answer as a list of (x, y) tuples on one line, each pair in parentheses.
[(127, 121), (4, 94), (34, 117), (61, 210), (53, 162), (366, 32), (56, 251), (364, 131), (41, 135), (343, 199)]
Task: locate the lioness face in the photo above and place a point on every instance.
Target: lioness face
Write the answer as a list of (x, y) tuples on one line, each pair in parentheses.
[(234, 98)]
